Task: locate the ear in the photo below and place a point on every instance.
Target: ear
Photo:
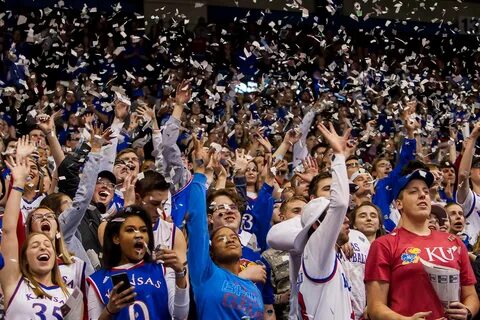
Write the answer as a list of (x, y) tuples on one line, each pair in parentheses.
[(116, 239), (138, 199), (398, 204), (210, 218), (312, 197)]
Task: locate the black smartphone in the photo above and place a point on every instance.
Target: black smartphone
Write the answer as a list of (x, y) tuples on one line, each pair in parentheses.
[(119, 277)]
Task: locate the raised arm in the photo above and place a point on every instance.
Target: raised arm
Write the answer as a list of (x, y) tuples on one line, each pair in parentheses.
[(109, 153), (71, 218), (320, 246), (47, 125), (290, 139), (171, 152), (466, 164), (9, 244), (198, 254), (300, 150)]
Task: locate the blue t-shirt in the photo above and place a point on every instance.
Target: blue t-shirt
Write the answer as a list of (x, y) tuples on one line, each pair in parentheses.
[(151, 301), (219, 294)]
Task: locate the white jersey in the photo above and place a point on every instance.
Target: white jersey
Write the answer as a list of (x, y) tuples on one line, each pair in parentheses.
[(164, 234), (326, 298), (471, 211), (26, 206), (355, 269), (24, 305), (74, 274)]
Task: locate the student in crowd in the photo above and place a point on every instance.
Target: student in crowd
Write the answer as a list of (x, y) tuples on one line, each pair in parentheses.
[(31, 280), (393, 264), (219, 291), (324, 291), (128, 247)]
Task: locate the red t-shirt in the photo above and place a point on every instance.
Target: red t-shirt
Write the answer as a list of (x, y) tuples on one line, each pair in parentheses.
[(395, 258)]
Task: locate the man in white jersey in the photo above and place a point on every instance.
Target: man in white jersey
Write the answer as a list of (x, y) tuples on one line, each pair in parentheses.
[(324, 291), (469, 197), (322, 284)]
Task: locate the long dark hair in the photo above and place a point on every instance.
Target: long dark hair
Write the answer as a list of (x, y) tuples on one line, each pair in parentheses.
[(112, 252)]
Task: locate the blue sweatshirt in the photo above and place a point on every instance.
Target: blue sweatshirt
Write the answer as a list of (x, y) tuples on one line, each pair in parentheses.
[(219, 294), (383, 196)]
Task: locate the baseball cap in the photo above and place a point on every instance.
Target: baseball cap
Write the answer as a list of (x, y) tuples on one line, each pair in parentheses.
[(310, 214), (281, 236), (419, 174), (108, 175), (358, 173), (440, 213)]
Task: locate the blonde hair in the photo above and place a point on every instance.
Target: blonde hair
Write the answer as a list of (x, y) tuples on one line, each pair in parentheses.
[(58, 243), (27, 274)]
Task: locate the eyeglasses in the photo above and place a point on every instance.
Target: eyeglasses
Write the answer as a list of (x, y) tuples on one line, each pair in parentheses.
[(48, 216), (224, 207), (106, 184)]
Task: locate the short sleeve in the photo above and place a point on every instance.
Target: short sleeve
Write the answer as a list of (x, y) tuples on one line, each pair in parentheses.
[(378, 266), (468, 205), (467, 276)]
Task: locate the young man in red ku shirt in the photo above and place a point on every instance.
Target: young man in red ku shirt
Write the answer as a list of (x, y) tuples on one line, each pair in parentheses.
[(397, 286)]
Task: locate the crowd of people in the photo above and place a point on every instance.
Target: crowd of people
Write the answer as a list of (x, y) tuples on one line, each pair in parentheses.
[(254, 170)]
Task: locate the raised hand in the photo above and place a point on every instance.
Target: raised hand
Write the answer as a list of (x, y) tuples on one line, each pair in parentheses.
[(310, 167), (19, 169), (336, 142), (99, 137), (88, 119), (46, 123), (183, 93), (263, 141), (476, 131), (24, 147), (128, 189), (241, 162), (146, 112), (292, 136), (201, 157)]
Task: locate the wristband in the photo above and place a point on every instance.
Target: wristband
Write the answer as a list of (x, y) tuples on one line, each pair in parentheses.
[(19, 189), (182, 273)]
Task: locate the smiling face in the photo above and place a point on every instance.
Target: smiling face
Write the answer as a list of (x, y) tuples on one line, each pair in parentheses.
[(40, 255), (104, 191), (225, 246), (225, 213), (132, 239), (125, 164), (367, 220), (43, 221), (414, 202)]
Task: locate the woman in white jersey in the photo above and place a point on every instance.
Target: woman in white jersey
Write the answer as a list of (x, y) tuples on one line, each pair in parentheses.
[(43, 220), (31, 281)]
